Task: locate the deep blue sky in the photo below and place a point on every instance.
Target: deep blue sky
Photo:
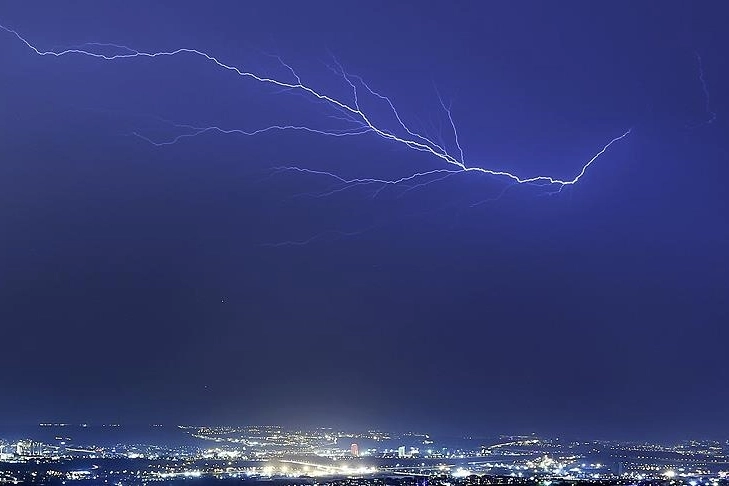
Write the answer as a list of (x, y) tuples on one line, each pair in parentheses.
[(134, 285)]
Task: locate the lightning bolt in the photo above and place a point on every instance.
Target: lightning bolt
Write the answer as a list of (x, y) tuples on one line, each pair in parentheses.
[(707, 99), (357, 121)]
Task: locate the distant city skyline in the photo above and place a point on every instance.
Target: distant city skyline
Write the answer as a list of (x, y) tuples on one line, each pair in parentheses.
[(268, 452)]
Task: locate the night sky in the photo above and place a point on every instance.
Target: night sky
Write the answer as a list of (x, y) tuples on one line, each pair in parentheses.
[(143, 284)]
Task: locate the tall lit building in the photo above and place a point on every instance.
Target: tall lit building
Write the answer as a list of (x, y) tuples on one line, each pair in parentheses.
[(354, 449), (401, 452)]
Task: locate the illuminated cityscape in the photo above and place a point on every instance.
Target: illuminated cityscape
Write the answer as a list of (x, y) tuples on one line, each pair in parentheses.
[(70, 454)]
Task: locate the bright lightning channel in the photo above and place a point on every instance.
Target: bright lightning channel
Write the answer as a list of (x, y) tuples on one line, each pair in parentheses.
[(350, 112)]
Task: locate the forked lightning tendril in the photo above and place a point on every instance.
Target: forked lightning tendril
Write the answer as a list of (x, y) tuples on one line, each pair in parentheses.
[(356, 121), (707, 98)]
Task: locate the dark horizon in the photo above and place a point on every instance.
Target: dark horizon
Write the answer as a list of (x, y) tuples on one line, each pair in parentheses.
[(198, 281), (18, 431)]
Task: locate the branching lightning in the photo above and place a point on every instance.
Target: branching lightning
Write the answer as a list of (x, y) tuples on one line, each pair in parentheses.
[(353, 119), (195, 131), (707, 99)]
